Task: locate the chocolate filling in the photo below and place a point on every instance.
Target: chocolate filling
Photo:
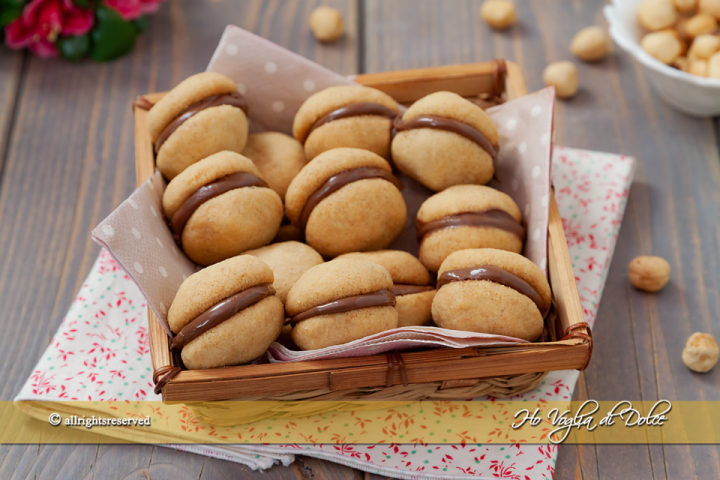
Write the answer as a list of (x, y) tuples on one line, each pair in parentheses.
[(233, 99), (381, 298), (211, 190), (353, 110), (450, 125), (491, 218), (214, 316), (400, 289), (496, 275), (337, 181)]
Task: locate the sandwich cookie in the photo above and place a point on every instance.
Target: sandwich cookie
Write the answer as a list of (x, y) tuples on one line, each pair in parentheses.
[(346, 116), (277, 156), (204, 114), (220, 207), (411, 284), (444, 140), (226, 314), (340, 301), (346, 200), (491, 291), (467, 216)]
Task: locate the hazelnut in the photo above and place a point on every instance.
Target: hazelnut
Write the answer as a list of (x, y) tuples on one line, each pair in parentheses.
[(564, 77), (698, 67), (701, 352), (590, 44), (649, 273), (662, 45), (704, 46), (682, 63), (498, 14), (685, 6), (713, 66), (700, 24), (710, 6), (326, 24), (656, 14)]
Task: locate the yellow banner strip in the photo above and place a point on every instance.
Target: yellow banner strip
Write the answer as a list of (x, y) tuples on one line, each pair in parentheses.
[(308, 422)]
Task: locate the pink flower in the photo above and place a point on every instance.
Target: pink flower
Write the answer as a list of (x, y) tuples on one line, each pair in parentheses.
[(42, 21), (132, 9)]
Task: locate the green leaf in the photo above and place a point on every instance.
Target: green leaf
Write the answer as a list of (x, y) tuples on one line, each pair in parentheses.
[(74, 48), (140, 24), (112, 36), (83, 3), (9, 11)]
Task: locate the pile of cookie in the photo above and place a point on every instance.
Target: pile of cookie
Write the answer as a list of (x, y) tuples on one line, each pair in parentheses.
[(293, 232)]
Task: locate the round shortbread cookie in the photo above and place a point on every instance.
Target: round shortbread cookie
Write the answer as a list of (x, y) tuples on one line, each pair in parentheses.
[(288, 261), (486, 306), (242, 337), (333, 281), (363, 215), (440, 158), (369, 132), (279, 158), (438, 244)]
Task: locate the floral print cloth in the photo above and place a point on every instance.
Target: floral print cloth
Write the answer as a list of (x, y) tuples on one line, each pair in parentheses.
[(101, 351)]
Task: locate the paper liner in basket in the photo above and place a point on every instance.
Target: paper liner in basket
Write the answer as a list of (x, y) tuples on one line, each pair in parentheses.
[(276, 82)]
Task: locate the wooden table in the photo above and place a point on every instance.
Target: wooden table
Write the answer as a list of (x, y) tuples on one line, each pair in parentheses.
[(66, 160)]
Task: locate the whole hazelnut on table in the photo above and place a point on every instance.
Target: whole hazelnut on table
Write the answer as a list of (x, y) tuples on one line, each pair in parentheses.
[(498, 14), (662, 45), (590, 44), (326, 24), (685, 6), (701, 352), (564, 77), (700, 24), (649, 273), (656, 14)]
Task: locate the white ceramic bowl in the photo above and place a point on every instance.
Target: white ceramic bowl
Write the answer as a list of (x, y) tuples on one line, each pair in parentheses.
[(689, 93)]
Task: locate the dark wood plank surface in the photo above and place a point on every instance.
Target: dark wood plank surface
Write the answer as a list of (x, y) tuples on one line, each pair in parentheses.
[(68, 161)]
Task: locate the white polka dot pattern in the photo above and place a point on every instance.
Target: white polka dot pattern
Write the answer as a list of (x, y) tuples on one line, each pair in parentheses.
[(138, 238), (275, 81), (523, 166)]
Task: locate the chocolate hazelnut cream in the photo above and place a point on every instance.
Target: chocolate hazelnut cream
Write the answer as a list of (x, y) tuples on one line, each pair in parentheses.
[(233, 99), (222, 311), (491, 218), (354, 110), (339, 180), (400, 289), (381, 298), (496, 275), (211, 190), (443, 123)]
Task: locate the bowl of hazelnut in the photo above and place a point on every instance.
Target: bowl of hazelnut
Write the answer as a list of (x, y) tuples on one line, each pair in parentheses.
[(678, 44)]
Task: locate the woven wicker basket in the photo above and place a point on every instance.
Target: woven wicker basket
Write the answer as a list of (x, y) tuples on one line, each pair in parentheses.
[(442, 374)]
